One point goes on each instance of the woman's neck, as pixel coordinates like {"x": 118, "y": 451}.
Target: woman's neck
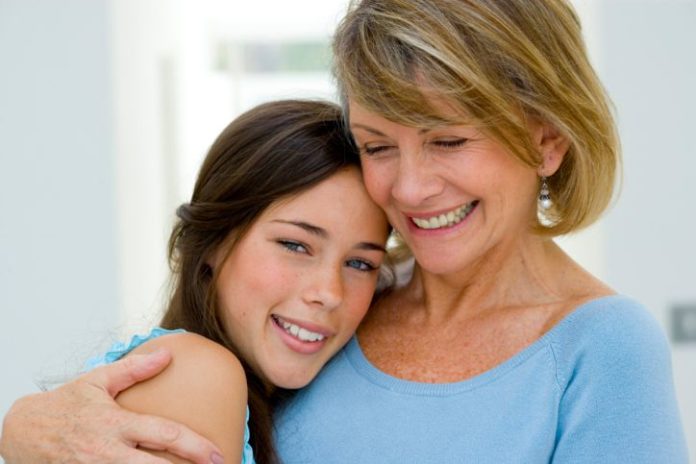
{"x": 519, "y": 274}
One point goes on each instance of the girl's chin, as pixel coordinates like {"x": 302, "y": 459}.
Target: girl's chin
{"x": 292, "y": 380}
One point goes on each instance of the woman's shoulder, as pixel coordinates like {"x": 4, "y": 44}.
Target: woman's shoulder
{"x": 614, "y": 373}
{"x": 613, "y": 332}
{"x": 203, "y": 387}
{"x": 613, "y": 317}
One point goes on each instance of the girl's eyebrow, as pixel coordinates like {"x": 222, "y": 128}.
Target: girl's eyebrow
{"x": 311, "y": 228}
{"x": 324, "y": 234}
{"x": 371, "y": 246}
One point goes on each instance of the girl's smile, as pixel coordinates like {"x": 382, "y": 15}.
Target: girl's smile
{"x": 295, "y": 286}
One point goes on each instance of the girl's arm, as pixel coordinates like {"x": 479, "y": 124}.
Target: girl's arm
{"x": 204, "y": 388}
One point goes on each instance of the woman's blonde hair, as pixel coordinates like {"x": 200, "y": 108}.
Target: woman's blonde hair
{"x": 500, "y": 64}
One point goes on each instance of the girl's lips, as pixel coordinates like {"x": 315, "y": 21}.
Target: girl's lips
{"x": 294, "y": 343}
{"x": 307, "y": 325}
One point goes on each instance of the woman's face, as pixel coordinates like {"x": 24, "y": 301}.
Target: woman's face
{"x": 453, "y": 193}
{"x": 294, "y": 288}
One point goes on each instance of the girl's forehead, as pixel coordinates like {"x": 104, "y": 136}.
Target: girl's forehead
{"x": 337, "y": 191}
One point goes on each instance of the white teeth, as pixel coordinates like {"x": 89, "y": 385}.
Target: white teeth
{"x": 446, "y": 219}
{"x": 300, "y": 332}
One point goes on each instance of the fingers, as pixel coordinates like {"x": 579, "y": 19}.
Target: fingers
{"x": 116, "y": 377}
{"x": 80, "y": 423}
{"x": 160, "y": 434}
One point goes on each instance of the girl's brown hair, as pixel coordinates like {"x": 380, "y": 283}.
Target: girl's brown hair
{"x": 272, "y": 151}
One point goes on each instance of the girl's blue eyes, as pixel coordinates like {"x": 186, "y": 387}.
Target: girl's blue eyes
{"x": 361, "y": 265}
{"x": 295, "y": 247}
{"x": 358, "y": 264}
{"x": 446, "y": 144}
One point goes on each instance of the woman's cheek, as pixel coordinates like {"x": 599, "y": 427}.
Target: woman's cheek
{"x": 377, "y": 182}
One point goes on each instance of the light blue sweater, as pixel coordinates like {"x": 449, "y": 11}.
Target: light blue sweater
{"x": 597, "y": 388}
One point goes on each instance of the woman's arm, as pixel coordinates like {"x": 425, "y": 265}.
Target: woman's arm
{"x": 81, "y": 423}
{"x": 204, "y": 388}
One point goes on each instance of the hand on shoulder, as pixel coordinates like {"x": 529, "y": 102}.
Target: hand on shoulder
{"x": 204, "y": 388}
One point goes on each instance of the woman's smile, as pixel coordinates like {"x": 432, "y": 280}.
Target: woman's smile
{"x": 445, "y": 220}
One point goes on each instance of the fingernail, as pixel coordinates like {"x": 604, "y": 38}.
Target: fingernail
{"x": 216, "y": 458}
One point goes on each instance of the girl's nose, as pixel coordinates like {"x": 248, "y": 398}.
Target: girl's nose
{"x": 324, "y": 288}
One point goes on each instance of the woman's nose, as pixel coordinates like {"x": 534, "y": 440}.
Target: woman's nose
{"x": 415, "y": 179}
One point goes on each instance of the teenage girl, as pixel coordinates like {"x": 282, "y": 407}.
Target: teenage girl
{"x": 275, "y": 262}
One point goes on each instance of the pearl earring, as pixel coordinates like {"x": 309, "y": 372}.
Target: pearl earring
{"x": 544, "y": 195}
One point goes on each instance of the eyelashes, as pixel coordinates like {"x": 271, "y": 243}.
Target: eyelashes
{"x": 293, "y": 247}
{"x": 453, "y": 143}
{"x": 373, "y": 149}
{"x": 359, "y": 264}
{"x": 443, "y": 144}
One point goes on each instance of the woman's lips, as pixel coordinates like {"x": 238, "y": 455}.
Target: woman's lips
{"x": 441, "y": 222}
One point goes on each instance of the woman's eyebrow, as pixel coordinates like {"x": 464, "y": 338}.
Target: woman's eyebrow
{"x": 322, "y": 233}
{"x": 366, "y": 128}
{"x": 357, "y": 125}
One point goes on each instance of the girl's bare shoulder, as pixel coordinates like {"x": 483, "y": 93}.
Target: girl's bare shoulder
{"x": 204, "y": 387}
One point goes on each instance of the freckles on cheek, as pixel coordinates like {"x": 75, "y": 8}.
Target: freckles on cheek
{"x": 359, "y": 308}
{"x": 271, "y": 280}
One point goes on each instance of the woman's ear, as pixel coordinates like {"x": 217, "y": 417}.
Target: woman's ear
{"x": 552, "y": 145}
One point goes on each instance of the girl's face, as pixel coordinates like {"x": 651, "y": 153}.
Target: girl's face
{"x": 453, "y": 193}
{"x": 294, "y": 288}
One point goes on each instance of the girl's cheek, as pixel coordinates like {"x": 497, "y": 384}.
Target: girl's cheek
{"x": 360, "y": 302}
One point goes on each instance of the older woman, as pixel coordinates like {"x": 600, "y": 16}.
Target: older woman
{"x": 483, "y": 133}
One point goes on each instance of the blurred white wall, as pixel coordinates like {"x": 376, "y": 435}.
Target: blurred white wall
{"x": 58, "y": 229}
{"x": 648, "y": 64}
{"x": 107, "y": 108}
